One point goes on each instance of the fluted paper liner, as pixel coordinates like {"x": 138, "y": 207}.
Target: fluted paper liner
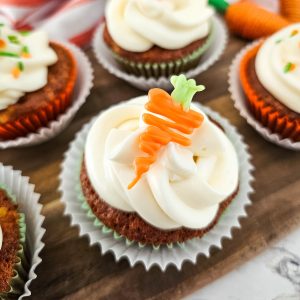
{"x": 211, "y": 55}
{"x": 18, "y": 279}
{"x": 148, "y": 256}
{"x": 240, "y": 103}
{"x": 28, "y": 205}
{"x": 81, "y": 91}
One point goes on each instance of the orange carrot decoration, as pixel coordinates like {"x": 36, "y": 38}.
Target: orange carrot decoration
{"x": 161, "y": 131}
{"x": 250, "y": 21}
{"x": 290, "y": 9}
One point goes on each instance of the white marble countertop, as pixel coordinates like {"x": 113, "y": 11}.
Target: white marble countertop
{"x": 273, "y": 275}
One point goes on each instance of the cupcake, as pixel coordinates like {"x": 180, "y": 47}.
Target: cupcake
{"x": 13, "y": 262}
{"x": 157, "y": 170}
{"x": 37, "y": 78}
{"x": 20, "y": 234}
{"x": 152, "y": 38}
{"x": 270, "y": 76}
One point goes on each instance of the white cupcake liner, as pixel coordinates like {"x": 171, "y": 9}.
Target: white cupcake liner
{"x": 240, "y": 102}
{"x": 83, "y": 85}
{"x": 211, "y": 55}
{"x": 148, "y": 256}
{"x": 28, "y": 204}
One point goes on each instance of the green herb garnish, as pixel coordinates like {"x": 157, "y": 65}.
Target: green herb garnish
{"x": 9, "y": 54}
{"x": 25, "y": 49}
{"x": 289, "y": 67}
{"x": 21, "y": 66}
{"x": 24, "y": 32}
{"x": 13, "y": 39}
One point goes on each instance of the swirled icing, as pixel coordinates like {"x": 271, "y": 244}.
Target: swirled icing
{"x": 138, "y": 25}
{"x": 184, "y": 186}
{"x": 24, "y": 61}
{"x": 278, "y": 66}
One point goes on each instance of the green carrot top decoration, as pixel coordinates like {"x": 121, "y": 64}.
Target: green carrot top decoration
{"x": 184, "y": 90}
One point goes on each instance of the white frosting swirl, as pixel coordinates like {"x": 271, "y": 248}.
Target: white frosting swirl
{"x": 32, "y": 56}
{"x": 278, "y": 66}
{"x": 138, "y": 25}
{"x": 177, "y": 190}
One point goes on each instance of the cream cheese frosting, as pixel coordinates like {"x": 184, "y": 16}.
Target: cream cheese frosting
{"x": 24, "y": 61}
{"x": 278, "y": 66}
{"x": 184, "y": 186}
{"x": 138, "y": 25}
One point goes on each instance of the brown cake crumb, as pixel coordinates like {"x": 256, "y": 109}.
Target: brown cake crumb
{"x": 9, "y": 219}
{"x": 132, "y": 226}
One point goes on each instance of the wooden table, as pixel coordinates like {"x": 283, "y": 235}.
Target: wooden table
{"x": 73, "y": 270}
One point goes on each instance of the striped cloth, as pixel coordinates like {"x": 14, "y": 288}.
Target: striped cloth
{"x": 72, "y": 20}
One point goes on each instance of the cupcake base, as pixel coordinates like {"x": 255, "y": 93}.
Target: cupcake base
{"x": 158, "y": 62}
{"x": 19, "y": 189}
{"x": 269, "y": 111}
{"x": 105, "y": 57}
{"x": 13, "y": 263}
{"x": 133, "y": 227}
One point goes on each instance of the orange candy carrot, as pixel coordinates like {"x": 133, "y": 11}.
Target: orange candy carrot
{"x": 161, "y": 131}
{"x": 251, "y": 22}
{"x": 290, "y": 9}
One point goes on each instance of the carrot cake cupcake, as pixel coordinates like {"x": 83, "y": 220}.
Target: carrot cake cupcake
{"x": 157, "y": 170}
{"x": 37, "y": 78}
{"x": 13, "y": 264}
{"x": 270, "y": 76}
{"x": 154, "y": 38}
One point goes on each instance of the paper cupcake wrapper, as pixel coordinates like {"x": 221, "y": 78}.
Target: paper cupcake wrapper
{"x": 81, "y": 91}
{"x": 21, "y": 266}
{"x": 28, "y": 205}
{"x": 241, "y": 104}
{"x": 157, "y": 70}
{"x": 211, "y": 55}
{"x": 101, "y": 226}
{"x": 148, "y": 256}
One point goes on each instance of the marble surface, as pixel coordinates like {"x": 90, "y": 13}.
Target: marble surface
{"x": 273, "y": 275}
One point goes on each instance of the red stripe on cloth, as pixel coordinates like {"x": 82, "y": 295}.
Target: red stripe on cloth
{"x": 23, "y": 2}
{"x": 83, "y": 38}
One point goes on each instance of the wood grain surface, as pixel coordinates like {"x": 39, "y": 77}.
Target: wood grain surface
{"x": 73, "y": 270}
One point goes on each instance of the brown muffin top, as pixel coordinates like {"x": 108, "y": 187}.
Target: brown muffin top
{"x": 9, "y": 220}
{"x": 155, "y": 54}
{"x": 264, "y": 94}
{"x": 132, "y": 226}
{"x": 59, "y": 76}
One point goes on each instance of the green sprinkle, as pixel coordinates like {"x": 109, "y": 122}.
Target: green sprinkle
{"x": 8, "y": 54}
{"x": 278, "y": 41}
{"x": 24, "y": 32}
{"x": 25, "y": 49}
{"x": 21, "y": 66}
{"x": 288, "y": 67}
{"x": 1, "y": 24}
{"x": 13, "y": 39}
{"x": 184, "y": 90}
